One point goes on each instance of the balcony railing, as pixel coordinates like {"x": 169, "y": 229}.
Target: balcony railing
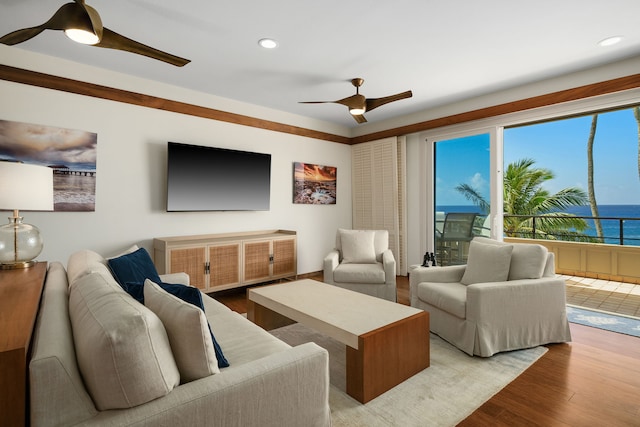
{"x": 613, "y": 230}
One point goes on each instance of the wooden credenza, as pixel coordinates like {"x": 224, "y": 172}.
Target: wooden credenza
{"x": 216, "y": 262}
{"x": 20, "y": 292}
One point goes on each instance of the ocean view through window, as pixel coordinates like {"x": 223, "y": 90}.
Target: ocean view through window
{"x": 612, "y": 183}
{"x": 587, "y": 166}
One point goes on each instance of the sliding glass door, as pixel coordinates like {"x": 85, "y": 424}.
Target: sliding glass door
{"x": 461, "y": 195}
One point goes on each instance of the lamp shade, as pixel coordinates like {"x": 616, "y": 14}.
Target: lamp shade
{"x": 25, "y": 187}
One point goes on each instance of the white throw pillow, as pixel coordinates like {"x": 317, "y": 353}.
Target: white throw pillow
{"x": 487, "y": 263}
{"x": 188, "y": 331}
{"x": 122, "y": 348}
{"x": 528, "y": 260}
{"x": 358, "y": 246}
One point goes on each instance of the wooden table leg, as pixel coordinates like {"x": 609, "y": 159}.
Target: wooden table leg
{"x": 265, "y": 318}
{"x": 388, "y": 356}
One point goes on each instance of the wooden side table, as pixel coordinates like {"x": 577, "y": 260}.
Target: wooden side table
{"x": 20, "y": 292}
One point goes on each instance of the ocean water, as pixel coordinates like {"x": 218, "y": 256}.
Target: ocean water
{"x": 610, "y": 227}
{"x": 74, "y": 192}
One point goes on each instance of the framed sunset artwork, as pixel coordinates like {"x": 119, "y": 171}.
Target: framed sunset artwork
{"x": 314, "y": 184}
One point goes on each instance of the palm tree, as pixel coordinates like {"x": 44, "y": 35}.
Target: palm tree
{"x": 636, "y": 114}
{"x": 525, "y": 197}
{"x": 592, "y": 192}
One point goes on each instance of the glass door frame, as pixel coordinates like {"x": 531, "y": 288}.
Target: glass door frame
{"x": 427, "y": 178}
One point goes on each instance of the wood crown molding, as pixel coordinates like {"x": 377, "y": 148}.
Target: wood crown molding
{"x": 48, "y": 81}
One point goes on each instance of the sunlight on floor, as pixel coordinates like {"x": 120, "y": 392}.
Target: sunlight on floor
{"x": 605, "y": 295}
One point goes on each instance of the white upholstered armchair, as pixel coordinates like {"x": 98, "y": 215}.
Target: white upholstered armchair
{"x": 362, "y": 262}
{"x": 506, "y": 297}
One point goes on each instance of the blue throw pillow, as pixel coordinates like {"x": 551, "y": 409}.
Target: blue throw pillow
{"x": 135, "y": 267}
{"x": 185, "y": 293}
{"x": 136, "y": 290}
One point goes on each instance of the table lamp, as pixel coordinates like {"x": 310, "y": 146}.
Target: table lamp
{"x": 22, "y": 187}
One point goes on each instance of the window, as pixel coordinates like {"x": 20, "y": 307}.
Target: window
{"x": 561, "y": 149}
{"x": 462, "y": 195}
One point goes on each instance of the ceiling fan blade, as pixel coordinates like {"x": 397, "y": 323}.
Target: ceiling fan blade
{"x": 353, "y": 101}
{"x": 317, "y": 102}
{"x": 22, "y": 35}
{"x": 359, "y": 118}
{"x": 57, "y": 22}
{"x": 376, "y": 102}
{"x": 112, "y": 40}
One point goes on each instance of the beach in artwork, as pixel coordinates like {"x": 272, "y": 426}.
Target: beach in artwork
{"x": 70, "y": 153}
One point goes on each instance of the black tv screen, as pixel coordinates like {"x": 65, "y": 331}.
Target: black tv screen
{"x": 203, "y": 178}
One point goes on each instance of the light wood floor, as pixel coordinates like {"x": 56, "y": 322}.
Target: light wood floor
{"x": 592, "y": 381}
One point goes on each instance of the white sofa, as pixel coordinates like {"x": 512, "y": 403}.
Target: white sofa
{"x": 362, "y": 262}
{"x": 507, "y": 297}
{"x": 268, "y": 383}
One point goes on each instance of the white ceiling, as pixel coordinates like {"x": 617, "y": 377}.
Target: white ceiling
{"x": 444, "y": 50}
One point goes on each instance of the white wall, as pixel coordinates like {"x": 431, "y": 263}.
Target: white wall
{"x": 131, "y": 174}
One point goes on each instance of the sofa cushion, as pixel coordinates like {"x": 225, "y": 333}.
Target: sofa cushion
{"x": 450, "y": 297}
{"x": 187, "y": 294}
{"x": 134, "y": 267}
{"x": 188, "y": 331}
{"x": 487, "y": 263}
{"x": 243, "y": 341}
{"x": 358, "y": 246}
{"x": 359, "y": 273}
{"x": 528, "y": 260}
{"x": 84, "y": 262}
{"x": 122, "y": 347}
{"x": 53, "y": 365}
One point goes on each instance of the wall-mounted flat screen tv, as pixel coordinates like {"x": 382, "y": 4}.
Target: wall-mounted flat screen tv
{"x": 203, "y": 178}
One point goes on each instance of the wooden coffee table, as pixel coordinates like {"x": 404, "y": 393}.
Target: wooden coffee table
{"x": 387, "y": 343}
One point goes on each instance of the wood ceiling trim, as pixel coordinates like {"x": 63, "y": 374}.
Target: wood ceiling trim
{"x": 34, "y": 78}
{"x": 587, "y": 91}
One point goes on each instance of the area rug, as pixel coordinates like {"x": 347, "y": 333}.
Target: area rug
{"x": 603, "y": 320}
{"x": 444, "y": 394}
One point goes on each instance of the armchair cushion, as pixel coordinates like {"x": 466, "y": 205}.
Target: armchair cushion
{"x": 487, "y": 263}
{"x": 359, "y": 273}
{"x": 358, "y": 246}
{"x": 528, "y": 260}
{"x": 450, "y": 297}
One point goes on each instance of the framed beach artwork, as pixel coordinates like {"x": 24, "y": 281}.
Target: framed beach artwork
{"x": 70, "y": 153}
{"x": 314, "y": 184}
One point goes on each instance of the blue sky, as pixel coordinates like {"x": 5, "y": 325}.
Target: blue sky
{"x": 560, "y": 146}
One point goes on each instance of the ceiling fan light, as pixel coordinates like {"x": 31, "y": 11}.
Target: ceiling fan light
{"x": 82, "y": 36}
{"x": 610, "y": 41}
{"x": 356, "y": 111}
{"x": 268, "y": 43}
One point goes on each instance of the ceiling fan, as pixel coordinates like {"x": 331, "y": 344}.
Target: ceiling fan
{"x": 81, "y": 23}
{"x": 358, "y": 104}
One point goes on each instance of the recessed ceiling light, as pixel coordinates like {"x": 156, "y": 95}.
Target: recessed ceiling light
{"x": 610, "y": 41}
{"x": 268, "y": 43}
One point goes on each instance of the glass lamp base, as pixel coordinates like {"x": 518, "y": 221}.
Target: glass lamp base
{"x": 17, "y": 265}
{"x": 19, "y": 244}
